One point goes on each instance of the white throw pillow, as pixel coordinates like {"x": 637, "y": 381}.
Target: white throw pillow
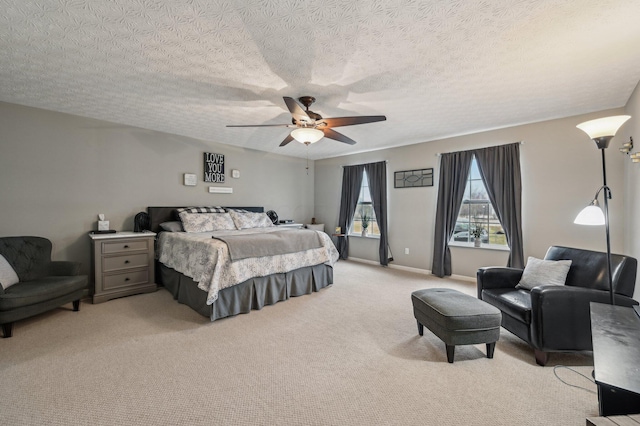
{"x": 8, "y": 276}
{"x": 206, "y": 222}
{"x": 544, "y": 272}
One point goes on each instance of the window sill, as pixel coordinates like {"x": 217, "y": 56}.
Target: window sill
{"x": 375, "y": 237}
{"x": 483, "y": 246}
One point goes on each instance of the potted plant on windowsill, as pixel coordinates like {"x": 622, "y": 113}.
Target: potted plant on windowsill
{"x": 476, "y": 232}
{"x": 365, "y": 224}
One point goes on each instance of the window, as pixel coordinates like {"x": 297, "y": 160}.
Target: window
{"x": 476, "y": 212}
{"x": 364, "y": 209}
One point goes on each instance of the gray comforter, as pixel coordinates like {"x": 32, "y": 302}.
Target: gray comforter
{"x": 270, "y": 244}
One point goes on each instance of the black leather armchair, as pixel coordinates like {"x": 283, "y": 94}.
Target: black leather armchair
{"x": 557, "y": 318}
{"x": 44, "y": 284}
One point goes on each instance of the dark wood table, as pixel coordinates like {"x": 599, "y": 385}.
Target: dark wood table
{"x": 615, "y": 332}
{"x": 630, "y": 420}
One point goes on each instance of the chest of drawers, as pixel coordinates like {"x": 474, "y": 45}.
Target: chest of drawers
{"x": 122, "y": 264}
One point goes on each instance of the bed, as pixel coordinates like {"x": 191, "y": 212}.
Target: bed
{"x": 199, "y": 268}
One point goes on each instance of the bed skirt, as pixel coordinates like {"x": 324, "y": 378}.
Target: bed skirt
{"x": 254, "y": 293}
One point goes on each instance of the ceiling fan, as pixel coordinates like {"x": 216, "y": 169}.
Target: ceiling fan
{"x": 310, "y": 127}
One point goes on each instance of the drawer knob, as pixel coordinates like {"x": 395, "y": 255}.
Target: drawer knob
{"x": 126, "y": 246}
{"x": 126, "y": 261}
{"x": 126, "y": 279}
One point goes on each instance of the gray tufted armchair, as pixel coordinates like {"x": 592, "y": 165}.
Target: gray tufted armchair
{"x": 43, "y": 284}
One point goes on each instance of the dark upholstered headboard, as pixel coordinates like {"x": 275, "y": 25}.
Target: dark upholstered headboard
{"x": 158, "y": 215}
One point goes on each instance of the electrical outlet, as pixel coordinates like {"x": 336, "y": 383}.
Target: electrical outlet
{"x": 406, "y": 250}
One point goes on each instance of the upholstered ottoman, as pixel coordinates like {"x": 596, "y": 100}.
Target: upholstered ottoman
{"x": 456, "y": 318}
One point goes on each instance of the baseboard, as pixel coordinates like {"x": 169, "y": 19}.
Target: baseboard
{"x": 392, "y": 266}
{"x": 463, "y": 278}
{"x": 411, "y": 269}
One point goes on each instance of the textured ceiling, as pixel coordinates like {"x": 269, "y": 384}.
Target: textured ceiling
{"x": 435, "y": 68}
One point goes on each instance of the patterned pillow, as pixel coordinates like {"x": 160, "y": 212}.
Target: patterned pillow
{"x": 544, "y": 272}
{"x": 206, "y": 222}
{"x": 215, "y": 209}
{"x": 8, "y": 276}
{"x": 244, "y": 219}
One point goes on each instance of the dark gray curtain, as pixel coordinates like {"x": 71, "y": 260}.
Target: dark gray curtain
{"x": 454, "y": 173}
{"x": 500, "y": 171}
{"x": 351, "y": 183}
{"x": 377, "y": 175}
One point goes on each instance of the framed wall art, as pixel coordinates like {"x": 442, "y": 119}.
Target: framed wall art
{"x": 190, "y": 179}
{"x": 413, "y": 178}
{"x": 213, "y": 167}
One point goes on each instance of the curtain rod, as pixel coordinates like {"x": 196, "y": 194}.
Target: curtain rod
{"x": 347, "y": 165}
{"x": 438, "y": 154}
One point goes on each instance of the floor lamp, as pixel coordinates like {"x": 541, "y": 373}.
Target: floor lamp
{"x": 601, "y": 131}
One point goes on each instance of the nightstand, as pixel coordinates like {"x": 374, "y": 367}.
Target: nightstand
{"x": 290, "y": 225}
{"x": 122, "y": 264}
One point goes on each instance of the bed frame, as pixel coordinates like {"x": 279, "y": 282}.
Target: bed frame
{"x": 255, "y": 293}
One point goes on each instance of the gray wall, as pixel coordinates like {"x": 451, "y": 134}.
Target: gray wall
{"x": 561, "y": 171}
{"x": 631, "y": 194}
{"x": 59, "y": 171}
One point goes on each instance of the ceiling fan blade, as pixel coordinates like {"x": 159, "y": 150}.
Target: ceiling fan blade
{"x": 350, "y": 121}
{"x": 296, "y": 110}
{"x": 286, "y": 140}
{"x": 260, "y": 125}
{"x": 332, "y": 134}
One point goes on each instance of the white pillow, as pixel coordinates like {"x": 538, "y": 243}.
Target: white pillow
{"x": 245, "y": 219}
{"x": 544, "y": 272}
{"x": 8, "y": 276}
{"x": 206, "y": 222}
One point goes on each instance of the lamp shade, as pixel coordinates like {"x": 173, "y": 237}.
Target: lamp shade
{"x": 307, "y": 135}
{"x": 590, "y": 215}
{"x": 603, "y": 127}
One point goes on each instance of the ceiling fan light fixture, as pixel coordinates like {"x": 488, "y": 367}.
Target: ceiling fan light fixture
{"x": 307, "y": 135}
{"x": 307, "y": 123}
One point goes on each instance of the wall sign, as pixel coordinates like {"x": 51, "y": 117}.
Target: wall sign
{"x": 190, "y": 179}
{"x": 413, "y": 178}
{"x": 213, "y": 167}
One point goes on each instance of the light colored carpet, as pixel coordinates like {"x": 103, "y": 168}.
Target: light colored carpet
{"x": 348, "y": 355}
